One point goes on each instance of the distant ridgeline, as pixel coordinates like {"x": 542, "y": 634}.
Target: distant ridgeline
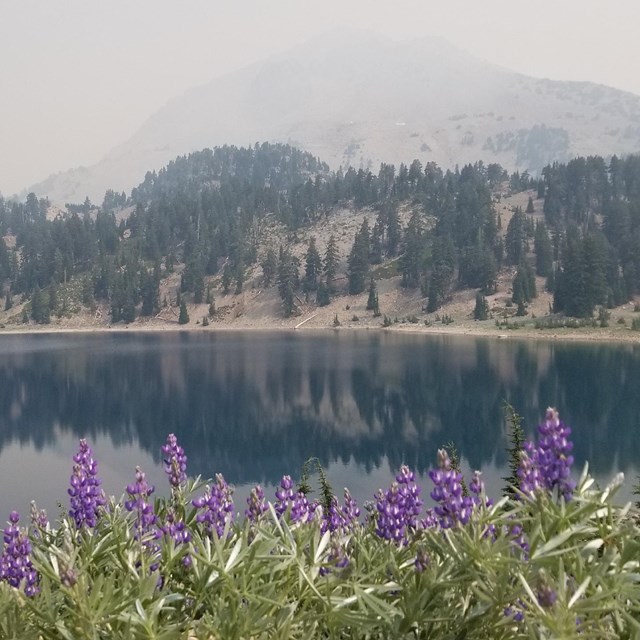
{"x": 209, "y": 210}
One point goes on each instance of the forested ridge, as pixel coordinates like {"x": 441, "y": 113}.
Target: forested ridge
{"x": 204, "y": 216}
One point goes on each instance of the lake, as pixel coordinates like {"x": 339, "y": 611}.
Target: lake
{"x": 255, "y": 406}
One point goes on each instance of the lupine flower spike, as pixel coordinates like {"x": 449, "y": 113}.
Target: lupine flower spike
{"x": 256, "y": 504}
{"x": 452, "y": 506}
{"x": 286, "y": 498}
{"x": 548, "y": 465}
{"x": 398, "y": 508}
{"x": 139, "y": 502}
{"x": 175, "y": 462}
{"x": 87, "y": 497}
{"x": 15, "y": 562}
{"x": 215, "y": 506}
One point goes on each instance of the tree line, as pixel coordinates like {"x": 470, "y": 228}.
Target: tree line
{"x": 206, "y": 211}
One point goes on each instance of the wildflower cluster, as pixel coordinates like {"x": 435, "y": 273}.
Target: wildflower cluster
{"x": 138, "y": 502}
{"x": 294, "y": 502}
{"x": 215, "y": 506}
{"x": 15, "y": 561}
{"x": 256, "y": 504}
{"x": 175, "y": 462}
{"x": 398, "y": 508}
{"x": 547, "y": 465}
{"x": 452, "y": 507}
{"x": 87, "y": 497}
{"x": 341, "y": 518}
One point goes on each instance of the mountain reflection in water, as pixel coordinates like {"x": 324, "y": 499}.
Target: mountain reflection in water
{"x": 255, "y": 406}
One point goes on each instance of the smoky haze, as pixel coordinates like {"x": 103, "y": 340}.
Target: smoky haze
{"x": 81, "y": 77}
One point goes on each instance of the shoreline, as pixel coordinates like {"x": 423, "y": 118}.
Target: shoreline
{"x": 588, "y": 335}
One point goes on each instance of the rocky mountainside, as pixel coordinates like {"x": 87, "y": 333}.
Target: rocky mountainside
{"x": 356, "y": 98}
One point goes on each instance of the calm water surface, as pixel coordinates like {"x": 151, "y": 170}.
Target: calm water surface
{"x": 255, "y": 406}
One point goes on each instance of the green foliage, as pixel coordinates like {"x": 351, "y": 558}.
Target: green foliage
{"x": 323, "y": 297}
{"x": 516, "y": 442}
{"x": 330, "y": 262}
{"x": 184, "y": 314}
{"x": 275, "y": 579}
{"x": 358, "y": 260}
{"x": 288, "y": 281}
{"x": 372, "y": 300}
{"x": 412, "y": 259}
{"x": 481, "y": 310}
{"x": 516, "y": 238}
{"x": 210, "y": 208}
{"x": 313, "y": 267}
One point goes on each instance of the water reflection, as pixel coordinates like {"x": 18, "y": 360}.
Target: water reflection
{"x": 255, "y": 406}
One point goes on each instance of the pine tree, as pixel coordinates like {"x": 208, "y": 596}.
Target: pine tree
{"x": 524, "y": 284}
{"x": 442, "y": 272}
{"x": 331, "y": 259}
{"x": 322, "y": 295}
{"x": 227, "y": 277}
{"x": 128, "y": 307}
{"x": 269, "y": 266}
{"x": 481, "y": 310}
{"x": 313, "y": 267}
{"x": 530, "y": 208}
{"x": 544, "y": 250}
{"x": 184, "y": 314}
{"x": 394, "y": 230}
{"x": 412, "y": 258}
{"x": 516, "y": 238}
{"x": 376, "y": 244}
{"x": 40, "y": 312}
{"x": 358, "y": 260}
{"x": 288, "y": 282}
{"x": 372, "y": 300}
{"x": 8, "y": 303}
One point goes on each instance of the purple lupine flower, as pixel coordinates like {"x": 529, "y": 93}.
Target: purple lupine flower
{"x": 476, "y": 486}
{"x": 341, "y": 517}
{"x": 216, "y": 506}
{"x": 547, "y": 596}
{"x": 175, "y": 462}
{"x": 337, "y": 557}
{"x": 422, "y": 560}
{"x": 519, "y": 539}
{"x": 39, "y": 520}
{"x": 256, "y": 504}
{"x": 15, "y": 561}
{"x": 176, "y": 529}
{"x": 398, "y": 508}
{"x": 139, "y": 494}
{"x": 430, "y": 519}
{"x": 453, "y": 507}
{"x": 87, "y": 497}
{"x": 300, "y": 510}
{"x": 515, "y": 613}
{"x": 529, "y": 471}
{"x": 548, "y": 465}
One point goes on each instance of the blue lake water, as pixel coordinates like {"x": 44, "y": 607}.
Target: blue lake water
{"x": 255, "y": 406}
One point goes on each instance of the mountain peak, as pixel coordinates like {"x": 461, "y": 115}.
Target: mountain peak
{"x": 356, "y": 98}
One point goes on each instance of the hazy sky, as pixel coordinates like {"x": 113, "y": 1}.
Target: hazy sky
{"x": 80, "y": 76}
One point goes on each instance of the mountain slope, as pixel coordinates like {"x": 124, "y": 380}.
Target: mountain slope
{"x": 355, "y": 98}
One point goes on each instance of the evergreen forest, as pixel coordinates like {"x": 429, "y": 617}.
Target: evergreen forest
{"x": 203, "y": 216}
